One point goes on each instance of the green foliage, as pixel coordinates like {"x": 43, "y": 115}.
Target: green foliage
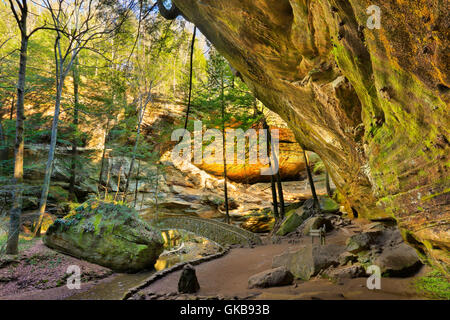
{"x": 434, "y": 284}
{"x": 319, "y": 167}
{"x": 238, "y": 100}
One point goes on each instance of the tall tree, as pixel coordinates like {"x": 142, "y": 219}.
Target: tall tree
{"x": 225, "y": 182}
{"x": 74, "y": 142}
{"x": 20, "y": 10}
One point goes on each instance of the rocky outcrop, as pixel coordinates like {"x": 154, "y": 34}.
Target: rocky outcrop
{"x": 354, "y": 271}
{"x": 373, "y": 103}
{"x": 106, "y": 234}
{"x": 384, "y": 248}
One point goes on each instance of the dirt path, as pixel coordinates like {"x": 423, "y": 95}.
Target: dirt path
{"x": 228, "y": 277}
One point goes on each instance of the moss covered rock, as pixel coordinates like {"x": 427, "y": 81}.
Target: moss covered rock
{"x": 107, "y": 234}
{"x": 292, "y": 221}
{"x": 328, "y": 205}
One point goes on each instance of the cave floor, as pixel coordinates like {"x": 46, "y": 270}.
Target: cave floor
{"x": 227, "y": 277}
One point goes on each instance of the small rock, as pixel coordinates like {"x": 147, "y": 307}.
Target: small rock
{"x": 350, "y": 272}
{"x": 188, "y": 282}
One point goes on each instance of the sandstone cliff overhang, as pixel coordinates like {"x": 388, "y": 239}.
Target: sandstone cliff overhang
{"x": 372, "y": 103}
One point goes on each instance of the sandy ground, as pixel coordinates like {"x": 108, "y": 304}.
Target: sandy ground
{"x": 228, "y": 277}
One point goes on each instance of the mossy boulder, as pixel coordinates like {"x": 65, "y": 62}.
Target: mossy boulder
{"x": 328, "y": 205}
{"x": 292, "y": 221}
{"x": 108, "y": 234}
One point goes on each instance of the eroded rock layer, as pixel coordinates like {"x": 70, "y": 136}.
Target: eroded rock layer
{"x": 373, "y": 103}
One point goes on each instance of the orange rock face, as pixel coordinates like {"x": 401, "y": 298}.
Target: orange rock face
{"x": 291, "y": 163}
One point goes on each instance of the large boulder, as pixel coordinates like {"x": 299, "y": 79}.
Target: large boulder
{"x": 271, "y": 278}
{"x": 107, "y": 234}
{"x": 401, "y": 260}
{"x": 309, "y": 260}
{"x": 348, "y": 272}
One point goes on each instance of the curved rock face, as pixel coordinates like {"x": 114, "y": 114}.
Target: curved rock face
{"x": 372, "y": 103}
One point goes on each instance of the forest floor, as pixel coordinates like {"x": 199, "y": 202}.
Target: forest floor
{"x": 40, "y": 273}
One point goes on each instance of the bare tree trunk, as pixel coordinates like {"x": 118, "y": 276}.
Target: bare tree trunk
{"x": 51, "y": 157}
{"x": 11, "y": 113}
{"x": 137, "y": 183}
{"x": 156, "y": 193}
{"x": 327, "y": 183}
{"x": 225, "y": 184}
{"x": 74, "y": 152}
{"x": 190, "y": 78}
{"x": 280, "y": 194}
{"x": 272, "y": 178}
{"x": 118, "y": 183}
{"x": 136, "y": 143}
{"x": 16, "y": 209}
{"x": 311, "y": 182}
{"x": 103, "y": 153}
{"x": 107, "y": 179}
{"x": 3, "y": 144}
{"x": 277, "y": 175}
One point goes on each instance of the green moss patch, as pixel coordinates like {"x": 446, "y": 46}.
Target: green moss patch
{"x": 434, "y": 285}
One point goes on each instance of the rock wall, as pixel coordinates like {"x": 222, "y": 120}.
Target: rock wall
{"x": 373, "y": 104}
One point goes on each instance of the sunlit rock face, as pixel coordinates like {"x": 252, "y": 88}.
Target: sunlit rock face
{"x": 372, "y": 103}
{"x": 291, "y": 163}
